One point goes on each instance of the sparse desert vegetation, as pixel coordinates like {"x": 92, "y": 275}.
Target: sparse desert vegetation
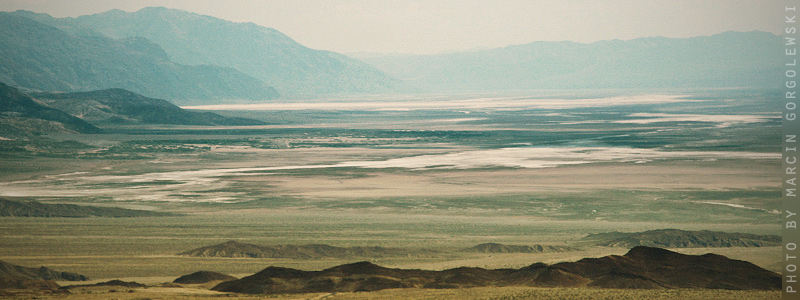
{"x": 365, "y": 180}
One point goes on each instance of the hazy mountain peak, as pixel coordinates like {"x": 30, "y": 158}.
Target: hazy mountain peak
{"x": 255, "y": 50}
{"x": 160, "y": 9}
{"x": 31, "y": 14}
{"x": 114, "y": 11}
{"x": 66, "y": 25}
{"x": 150, "y": 21}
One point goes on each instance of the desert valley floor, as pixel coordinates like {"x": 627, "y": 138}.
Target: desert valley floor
{"x": 433, "y": 177}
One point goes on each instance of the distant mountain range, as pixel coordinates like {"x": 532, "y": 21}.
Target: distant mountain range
{"x": 318, "y": 251}
{"x": 39, "y": 57}
{"x": 641, "y": 267}
{"x": 189, "y": 58}
{"x": 260, "y": 52}
{"x": 730, "y": 59}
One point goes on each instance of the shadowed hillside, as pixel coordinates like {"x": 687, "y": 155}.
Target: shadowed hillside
{"x": 675, "y": 238}
{"x": 640, "y": 268}
{"x": 21, "y": 115}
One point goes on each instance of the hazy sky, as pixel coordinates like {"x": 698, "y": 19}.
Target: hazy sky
{"x": 430, "y": 26}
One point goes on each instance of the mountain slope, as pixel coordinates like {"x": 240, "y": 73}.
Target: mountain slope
{"x": 260, "y": 52}
{"x": 731, "y": 59}
{"x": 21, "y": 115}
{"x": 122, "y": 106}
{"x": 41, "y": 57}
{"x": 641, "y": 267}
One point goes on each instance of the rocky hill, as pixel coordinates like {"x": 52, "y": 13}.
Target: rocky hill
{"x": 501, "y": 248}
{"x": 19, "y": 277}
{"x": 121, "y": 106}
{"x": 10, "y": 208}
{"x": 641, "y": 267}
{"x": 312, "y": 251}
{"x": 675, "y": 238}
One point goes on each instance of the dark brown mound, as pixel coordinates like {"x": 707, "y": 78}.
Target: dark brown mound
{"x": 640, "y": 268}
{"x": 501, "y": 248}
{"x": 671, "y": 269}
{"x": 115, "y": 282}
{"x": 203, "y": 277}
{"x": 675, "y": 238}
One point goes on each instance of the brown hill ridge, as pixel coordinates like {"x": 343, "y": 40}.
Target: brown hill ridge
{"x": 675, "y": 238}
{"x": 312, "y": 251}
{"x": 501, "y": 248}
{"x": 641, "y": 268}
{"x": 18, "y": 277}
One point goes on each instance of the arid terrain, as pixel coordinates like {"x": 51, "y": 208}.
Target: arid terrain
{"x": 347, "y": 149}
{"x": 406, "y": 187}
